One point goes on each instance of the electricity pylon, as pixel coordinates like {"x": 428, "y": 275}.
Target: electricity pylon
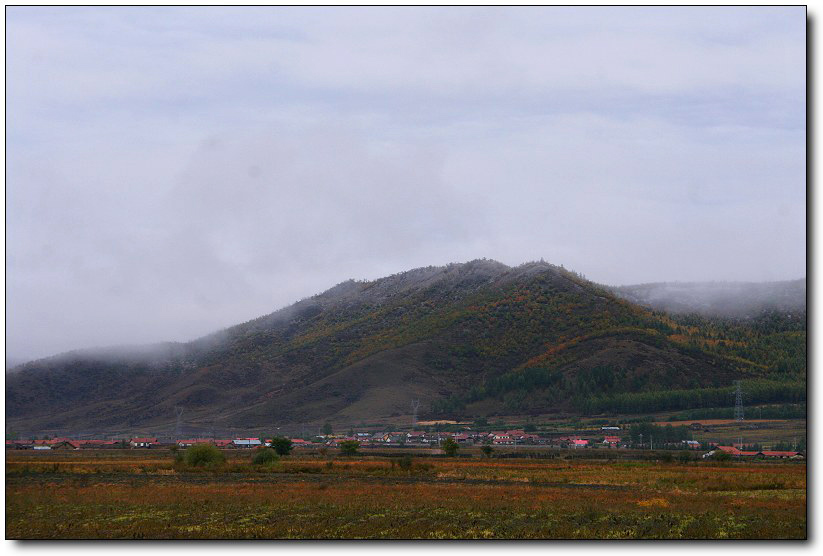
{"x": 738, "y": 402}
{"x": 415, "y": 405}
{"x": 178, "y": 410}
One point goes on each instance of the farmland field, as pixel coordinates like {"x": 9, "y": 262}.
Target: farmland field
{"x": 91, "y": 494}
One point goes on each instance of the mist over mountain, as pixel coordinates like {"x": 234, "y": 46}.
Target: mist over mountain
{"x": 478, "y": 338}
{"x": 720, "y": 299}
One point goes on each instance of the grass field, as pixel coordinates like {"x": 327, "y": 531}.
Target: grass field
{"x": 139, "y": 494}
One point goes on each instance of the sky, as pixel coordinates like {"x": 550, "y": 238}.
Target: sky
{"x": 173, "y": 171}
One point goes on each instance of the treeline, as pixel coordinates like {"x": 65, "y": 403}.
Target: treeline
{"x": 647, "y": 432}
{"x": 755, "y": 391}
{"x": 782, "y": 411}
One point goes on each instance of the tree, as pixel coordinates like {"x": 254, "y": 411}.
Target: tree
{"x": 203, "y": 455}
{"x": 327, "y": 429}
{"x": 281, "y": 445}
{"x": 349, "y": 447}
{"x": 450, "y": 447}
{"x": 531, "y": 427}
{"x": 487, "y": 450}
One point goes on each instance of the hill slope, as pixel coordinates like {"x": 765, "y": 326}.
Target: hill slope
{"x": 473, "y": 338}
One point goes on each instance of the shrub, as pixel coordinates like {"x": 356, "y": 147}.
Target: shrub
{"x": 265, "y": 456}
{"x": 487, "y": 450}
{"x": 405, "y": 462}
{"x": 203, "y": 455}
{"x": 281, "y": 445}
{"x": 349, "y": 447}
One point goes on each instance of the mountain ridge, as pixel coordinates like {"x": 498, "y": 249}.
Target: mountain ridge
{"x": 366, "y": 348}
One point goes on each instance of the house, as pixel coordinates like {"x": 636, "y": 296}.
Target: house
{"x": 778, "y": 454}
{"x": 609, "y": 428}
{"x": 611, "y": 441}
{"x": 300, "y": 443}
{"x": 579, "y": 443}
{"x": 223, "y": 443}
{"x": 431, "y": 438}
{"x": 19, "y": 444}
{"x": 502, "y": 439}
{"x": 691, "y": 444}
{"x": 415, "y": 437}
{"x": 394, "y": 437}
{"x": 462, "y": 438}
{"x": 66, "y": 445}
{"x": 732, "y": 451}
{"x": 142, "y": 442}
{"x": 529, "y": 438}
{"x": 192, "y": 441}
{"x": 246, "y": 442}
{"x": 96, "y": 444}
{"x": 335, "y": 442}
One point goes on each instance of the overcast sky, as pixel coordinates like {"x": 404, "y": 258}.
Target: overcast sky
{"x": 172, "y": 171}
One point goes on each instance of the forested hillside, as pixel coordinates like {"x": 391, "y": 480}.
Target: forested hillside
{"x": 470, "y": 339}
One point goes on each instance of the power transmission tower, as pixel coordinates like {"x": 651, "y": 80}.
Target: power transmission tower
{"x": 738, "y": 402}
{"x": 178, "y": 410}
{"x": 415, "y": 405}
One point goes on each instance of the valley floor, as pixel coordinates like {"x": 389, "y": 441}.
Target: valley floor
{"x": 137, "y": 494}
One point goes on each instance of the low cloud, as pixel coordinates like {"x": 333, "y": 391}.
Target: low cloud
{"x": 175, "y": 171}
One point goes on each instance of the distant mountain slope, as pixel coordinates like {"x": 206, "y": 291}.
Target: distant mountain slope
{"x": 478, "y": 337}
{"x": 720, "y": 299}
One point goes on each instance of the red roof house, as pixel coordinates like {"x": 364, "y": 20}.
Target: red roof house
{"x": 142, "y": 442}
{"x": 778, "y": 454}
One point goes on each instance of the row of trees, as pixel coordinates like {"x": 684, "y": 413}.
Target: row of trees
{"x": 755, "y": 391}
{"x": 781, "y": 411}
{"x": 645, "y": 432}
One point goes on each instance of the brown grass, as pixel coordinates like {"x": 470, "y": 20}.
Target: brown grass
{"x": 140, "y": 496}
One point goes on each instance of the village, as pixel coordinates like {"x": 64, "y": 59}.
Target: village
{"x": 610, "y": 439}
